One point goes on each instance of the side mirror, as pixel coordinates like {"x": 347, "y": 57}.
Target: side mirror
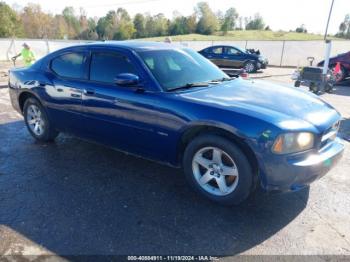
{"x": 127, "y": 79}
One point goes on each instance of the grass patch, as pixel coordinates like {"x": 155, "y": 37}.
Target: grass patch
{"x": 246, "y": 35}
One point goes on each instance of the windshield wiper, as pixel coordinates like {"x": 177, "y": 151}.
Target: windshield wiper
{"x": 222, "y": 79}
{"x": 190, "y": 85}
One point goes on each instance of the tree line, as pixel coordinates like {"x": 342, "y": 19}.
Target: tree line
{"x": 32, "y": 22}
{"x": 344, "y": 28}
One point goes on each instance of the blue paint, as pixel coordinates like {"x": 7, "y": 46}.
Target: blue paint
{"x": 149, "y": 121}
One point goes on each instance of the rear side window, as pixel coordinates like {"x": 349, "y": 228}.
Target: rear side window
{"x": 217, "y": 50}
{"x": 70, "y": 65}
{"x": 207, "y": 50}
{"x": 106, "y": 66}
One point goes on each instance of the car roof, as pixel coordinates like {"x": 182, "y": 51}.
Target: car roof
{"x": 223, "y": 46}
{"x": 131, "y": 45}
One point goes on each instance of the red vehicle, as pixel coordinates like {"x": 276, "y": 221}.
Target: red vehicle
{"x": 344, "y": 60}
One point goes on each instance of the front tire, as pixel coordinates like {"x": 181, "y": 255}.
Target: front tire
{"x": 37, "y": 121}
{"x": 217, "y": 169}
{"x": 250, "y": 67}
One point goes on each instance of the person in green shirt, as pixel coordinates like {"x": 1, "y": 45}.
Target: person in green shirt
{"x": 27, "y": 55}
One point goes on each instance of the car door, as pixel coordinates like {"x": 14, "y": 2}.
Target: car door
{"x": 67, "y": 72}
{"x": 233, "y": 57}
{"x": 120, "y": 116}
{"x": 215, "y": 55}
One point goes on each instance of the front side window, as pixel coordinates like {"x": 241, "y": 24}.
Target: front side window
{"x": 70, "y": 65}
{"x": 177, "y": 67}
{"x": 232, "y": 51}
{"x": 105, "y": 67}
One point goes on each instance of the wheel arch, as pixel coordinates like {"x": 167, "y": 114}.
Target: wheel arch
{"x": 23, "y": 96}
{"x": 216, "y": 129}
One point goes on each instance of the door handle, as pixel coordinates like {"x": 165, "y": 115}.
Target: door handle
{"x": 89, "y": 92}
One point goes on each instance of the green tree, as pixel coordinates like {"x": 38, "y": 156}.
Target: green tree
{"x": 156, "y": 25}
{"x": 89, "y": 33}
{"x": 230, "y": 19}
{"x": 161, "y": 25}
{"x": 344, "y": 28}
{"x": 150, "y": 26}
{"x": 101, "y": 27}
{"x": 208, "y": 22}
{"x": 191, "y": 23}
{"x": 301, "y": 29}
{"x": 178, "y": 26}
{"x": 257, "y": 23}
{"x": 10, "y": 24}
{"x": 116, "y": 25}
{"x": 140, "y": 26}
{"x": 72, "y": 22}
{"x": 125, "y": 27}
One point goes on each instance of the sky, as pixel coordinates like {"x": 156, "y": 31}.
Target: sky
{"x": 278, "y": 14}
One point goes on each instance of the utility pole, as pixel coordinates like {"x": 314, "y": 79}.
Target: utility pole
{"x": 328, "y": 48}
{"x": 328, "y": 44}
{"x": 329, "y": 18}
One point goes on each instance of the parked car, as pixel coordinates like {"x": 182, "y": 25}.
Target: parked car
{"x": 171, "y": 105}
{"x": 344, "y": 60}
{"x": 234, "y": 57}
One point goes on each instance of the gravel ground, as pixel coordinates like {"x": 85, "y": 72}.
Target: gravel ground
{"x": 72, "y": 197}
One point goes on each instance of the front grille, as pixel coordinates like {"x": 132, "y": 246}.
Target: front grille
{"x": 330, "y": 134}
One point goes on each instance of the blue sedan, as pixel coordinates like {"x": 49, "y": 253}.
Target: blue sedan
{"x": 171, "y": 105}
{"x": 234, "y": 57}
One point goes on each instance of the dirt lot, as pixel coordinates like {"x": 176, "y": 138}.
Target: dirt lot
{"x": 73, "y": 197}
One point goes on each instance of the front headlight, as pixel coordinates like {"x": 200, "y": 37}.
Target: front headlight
{"x": 293, "y": 142}
{"x": 261, "y": 59}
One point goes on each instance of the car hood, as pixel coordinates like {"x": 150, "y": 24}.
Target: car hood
{"x": 287, "y": 107}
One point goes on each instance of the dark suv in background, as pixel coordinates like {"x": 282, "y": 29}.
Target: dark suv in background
{"x": 234, "y": 57}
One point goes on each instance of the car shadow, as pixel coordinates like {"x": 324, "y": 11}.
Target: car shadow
{"x": 345, "y": 82}
{"x": 75, "y": 197}
{"x": 341, "y": 90}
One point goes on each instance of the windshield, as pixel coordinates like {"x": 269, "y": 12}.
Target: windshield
{"x": 174, "y": 68}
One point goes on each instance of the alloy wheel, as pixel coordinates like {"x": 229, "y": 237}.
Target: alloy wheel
{"x": 215, "y": 171}
{"x": 35, "y": 120}
{"x": 249, "y": 67}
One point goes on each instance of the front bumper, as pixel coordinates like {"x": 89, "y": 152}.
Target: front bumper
{"x": 262, "y": 65}
{"x": 295, "y": 172}
{"x": 14, "y": 99}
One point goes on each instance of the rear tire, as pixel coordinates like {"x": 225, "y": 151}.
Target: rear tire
{"x": 37, "y": 122}
{"x": 218, "y": 170}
